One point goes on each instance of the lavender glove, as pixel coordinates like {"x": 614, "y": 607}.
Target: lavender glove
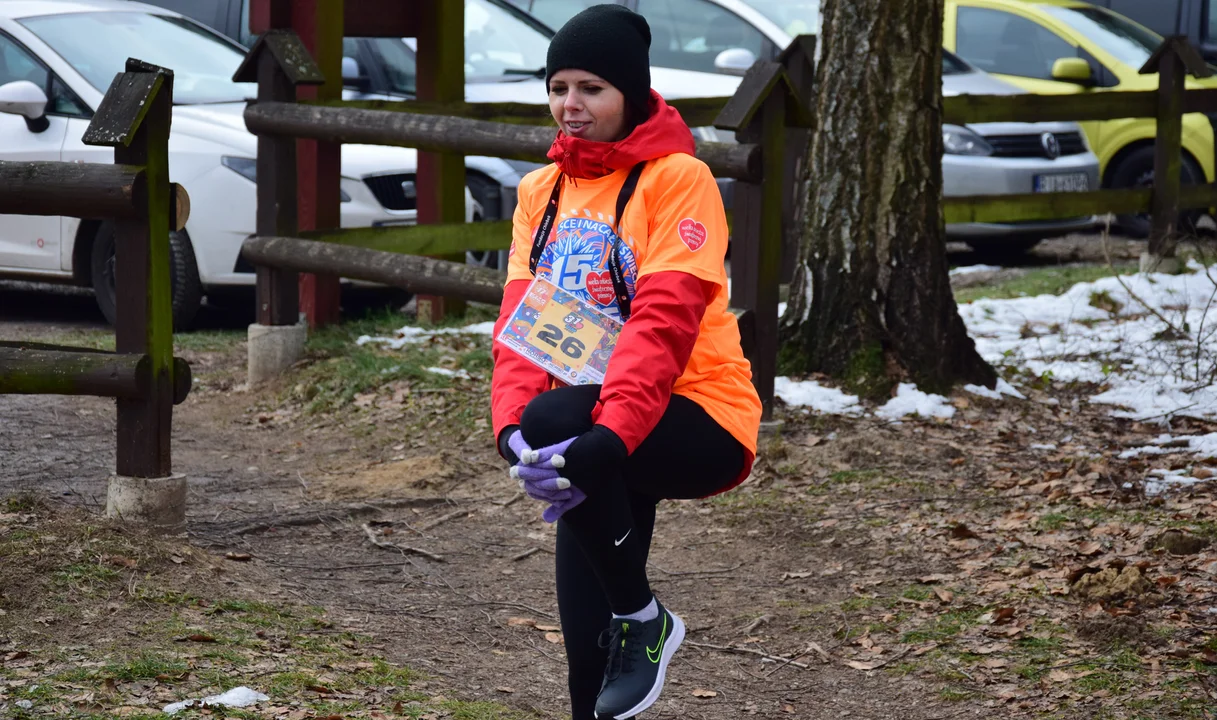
{"x": 541, "y": 484}
{"x": 549, "y": 457}
{"x": 555, "y": 510}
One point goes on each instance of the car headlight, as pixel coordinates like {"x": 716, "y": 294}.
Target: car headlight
{"x": 248, "y": 169}
{"x": 245, "y": 167}
{"x": 958, "y": 140}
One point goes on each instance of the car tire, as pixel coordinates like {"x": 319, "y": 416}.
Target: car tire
{"x": 489, "y": 197}
{"x": 185, "y": 288}
{"x": 998, "y": 249}
{"x": 1136, "y": 170}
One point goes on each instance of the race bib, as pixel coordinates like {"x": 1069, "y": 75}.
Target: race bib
{"x": 561, "y": 334}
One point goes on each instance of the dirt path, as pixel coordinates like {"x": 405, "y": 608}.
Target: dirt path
{"x": 923, "y": 570}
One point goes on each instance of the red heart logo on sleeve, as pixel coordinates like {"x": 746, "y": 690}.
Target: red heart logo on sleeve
{"x": 692, "y": 233}
{"x": 600, "y": 286}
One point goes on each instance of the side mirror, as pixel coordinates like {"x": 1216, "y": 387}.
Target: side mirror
{"x": 734, "y": 61}
{"x": 352, "y": 76}
{"x": 1074, "y": 70}
{"x": 26, "y": 99}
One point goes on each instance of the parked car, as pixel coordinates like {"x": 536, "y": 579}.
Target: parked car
{"x": 56, "y": 61}
{"x": 1197, "y": 19}
{"x": 1010, "y": 158}
{"x": 991, "y": 158}
{"x": 504, "y": 62}
{"x": 1068, "y": 46}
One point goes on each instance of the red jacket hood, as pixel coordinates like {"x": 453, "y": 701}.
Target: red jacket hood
{"x": 663, "y": 133}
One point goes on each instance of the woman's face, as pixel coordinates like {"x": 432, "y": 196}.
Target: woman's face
{"x": 587, "y": 106}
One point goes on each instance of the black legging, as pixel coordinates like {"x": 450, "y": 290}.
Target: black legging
{"x": 687, "y": 455}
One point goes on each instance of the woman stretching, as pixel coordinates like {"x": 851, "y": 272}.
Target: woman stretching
{"x": 628, "y": 221}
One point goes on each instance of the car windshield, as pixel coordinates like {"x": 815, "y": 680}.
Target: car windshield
{"x": 1127, "y": 41}
{"x": 97, "y": 45}
{"x": 498, "y": 45}
{"x": 796, "y": 17}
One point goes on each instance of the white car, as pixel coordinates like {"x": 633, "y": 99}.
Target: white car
{"x": 57, "y": 58}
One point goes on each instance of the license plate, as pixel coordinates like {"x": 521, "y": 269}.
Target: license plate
{"x": 1064, "y": 182}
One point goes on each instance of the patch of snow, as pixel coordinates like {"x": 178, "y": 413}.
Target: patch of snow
{"x": 781, "y": 309}
{"x": 1003, "y": 388}
{"x": 1144, "y": 376}
{"x": 1168, "y": 479}
{"x": 237, "y": 697}
{"x": 461, "y": 374}
{"x": 811, "y": 394}
{"x": 969, "y": 269}
{"x": 412, "y": 334}
{"x": 1043, "y": 446}
{"x": 1203, "y": 446}
{"x": 911, "y": 401}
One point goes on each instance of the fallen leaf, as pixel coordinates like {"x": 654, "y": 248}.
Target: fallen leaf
{"x": 788, "y": 709}
{"x": 944, "y": 595}
{"x": 704, "y": 693}
{"x": 931, "y": 579}
{"x": 1003, "y": 615}
{"x": 813, "y": 440}
{"x": 505, "y": 689}
{"x": 795, "y": 575}
{"x": 923, "y": 650}
{"x": 120, "y": 561}
{"x": 548, "y": 628}
{"x": 1089, "y": 548}
{"x": 1059, "y": 676}
{"x": 553, "y": 637}
{"x": 321, "y": 689}
{"x": 198, "y": 637}
{"x": 521, "y": 622}
{"x": 177, "y": 560}
{"x": 239, "y": 557}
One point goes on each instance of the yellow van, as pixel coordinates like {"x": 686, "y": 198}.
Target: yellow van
{"x": 1068, "y": 46}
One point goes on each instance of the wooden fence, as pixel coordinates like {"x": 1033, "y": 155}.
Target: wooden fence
{"x": 759, "y": 114}
{"x": 141, "y": 374}
{"x": 771, "y": 118}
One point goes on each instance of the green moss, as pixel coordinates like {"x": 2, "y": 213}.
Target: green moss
{"x": 866, "y": 373}
{"x": 1041, "y": 281}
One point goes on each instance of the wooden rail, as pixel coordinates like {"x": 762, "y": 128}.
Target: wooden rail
{"x": 441, "y": 133}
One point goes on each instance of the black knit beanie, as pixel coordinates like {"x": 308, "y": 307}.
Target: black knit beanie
{"x": 612, "y": 42}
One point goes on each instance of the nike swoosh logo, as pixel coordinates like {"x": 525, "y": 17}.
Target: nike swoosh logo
{"x": 617, "y": 543}
{"x": 654, "y": 654}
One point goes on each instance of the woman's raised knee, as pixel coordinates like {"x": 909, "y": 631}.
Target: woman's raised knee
{"x": 559, "y": 415}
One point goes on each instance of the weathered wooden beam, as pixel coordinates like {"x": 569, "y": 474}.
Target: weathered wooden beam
{"x": 1051, "y": 206}
{"x": 420, "y": 275}
{"x": 437, "y": 239}
{"x": 57, "y": 372}
{"x": 440, "y": 133}
{"x": 144, "y": 302}
{"x": 963, "y": 109}
{"x": 696, "y": 112}
{"x": 83, "y": 190}
{"x": 1168, "y": 144}
{"x": 59, "y": 361}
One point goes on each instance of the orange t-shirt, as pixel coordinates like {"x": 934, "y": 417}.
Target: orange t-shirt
{"x": 674, "y": 222}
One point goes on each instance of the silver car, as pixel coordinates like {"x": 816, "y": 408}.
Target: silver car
{"x": 1011, "y": 158}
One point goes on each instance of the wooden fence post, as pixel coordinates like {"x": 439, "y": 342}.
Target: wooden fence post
{"x": 441, "y": 176}
{"x": 1173, "y": 60}
{"x": 134, "y": 119}
{"x": 799, "y": 60}
{"x": 279, "y": 63}
{"x": 760, "y": 112}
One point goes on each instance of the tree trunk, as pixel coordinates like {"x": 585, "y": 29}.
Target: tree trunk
{"x": 871, "y": 301}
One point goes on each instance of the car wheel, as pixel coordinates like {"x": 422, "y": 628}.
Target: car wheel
{"x": 489, "y": 198}
{"x": 1137, "y": 171}
{"x": 185, "y": 288}
{"x": 998, "y": 249}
